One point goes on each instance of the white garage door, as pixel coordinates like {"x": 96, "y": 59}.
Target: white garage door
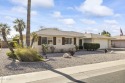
{"x": 103, "y": 43}
{"x": 118, "y": 43}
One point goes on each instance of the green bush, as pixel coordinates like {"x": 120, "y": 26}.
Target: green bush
{"x": 16, "y": 39}
{"x": 11, "y": 55}
{"x": 13, "y": 43}
{"x": 91, "y": 46}
{"x": 26, "y": 55}
{"x": 44, "y": 48}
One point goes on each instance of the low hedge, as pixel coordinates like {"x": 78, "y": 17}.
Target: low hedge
{"x": 80, "y": 47}
{"x": 91, "y": 46}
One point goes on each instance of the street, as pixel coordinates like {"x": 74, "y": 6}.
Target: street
{"x": 116, "y": 77}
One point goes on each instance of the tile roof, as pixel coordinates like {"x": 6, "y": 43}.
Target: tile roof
{"x": 57, "y": 32}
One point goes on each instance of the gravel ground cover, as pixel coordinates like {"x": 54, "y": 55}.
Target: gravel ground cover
{"x": 7, "y": 67}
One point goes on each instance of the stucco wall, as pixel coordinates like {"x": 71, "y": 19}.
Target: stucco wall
{"x": 88, "y": 40}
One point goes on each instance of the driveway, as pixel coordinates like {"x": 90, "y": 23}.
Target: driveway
{"x": 55, "y": 61}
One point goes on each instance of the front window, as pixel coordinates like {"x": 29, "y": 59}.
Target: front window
{"x": 44, "y": 40}
{"x": 50, "y": 40}
{"x": 68, "y": 40}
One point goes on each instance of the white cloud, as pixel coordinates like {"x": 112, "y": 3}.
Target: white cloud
{"x": 10, "y": 18}
{"x": 117, "y": 15}
{"x": 22, "y": 10}
{"x": 70, "y": 8}
{"x": 68, "y": 21}
{"x": 111, "y": 22}
{"x": 95, "y": 7}
{"x": 35, "y": 3}
{"x": 88, "y": 21}
{"x": 57, "y": 14}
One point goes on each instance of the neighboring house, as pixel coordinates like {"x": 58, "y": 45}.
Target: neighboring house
{"x": 68, "y": 39}
{"x": 118, "y": 42}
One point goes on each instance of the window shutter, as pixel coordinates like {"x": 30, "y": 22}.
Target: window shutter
{"x": 74, "y": 41}
{"x": 63, "y": 40}
{"x": 39, "y": 40}
{"x": 54, "y": 40}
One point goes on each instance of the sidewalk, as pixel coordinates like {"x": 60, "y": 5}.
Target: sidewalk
{"x": 66, "y": 72}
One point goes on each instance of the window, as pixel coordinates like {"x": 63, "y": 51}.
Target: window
{"x": 68, "y": 40}
{"x": 44, "y": 40}
{"x": 50, "y": 40}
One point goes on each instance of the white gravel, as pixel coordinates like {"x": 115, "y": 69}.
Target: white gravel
{"x": 56, "y": 61}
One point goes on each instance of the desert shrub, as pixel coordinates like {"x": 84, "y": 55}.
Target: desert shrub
{"x": 16, "y": 39}
{"x": 11, "y": 55}
{"x": 52, "y": 48}
{"x": 13, "y": 43}
{"x": 44, "y": 48}
{"x": 91, "y": 46}
{"x": 71, "y": 51}
{"x": 26, "y": 55}
{"x": 61, "y": 50}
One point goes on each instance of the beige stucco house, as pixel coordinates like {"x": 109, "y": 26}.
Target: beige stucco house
{"x": 118, "y": 42}
{"x": 68, "y": 39}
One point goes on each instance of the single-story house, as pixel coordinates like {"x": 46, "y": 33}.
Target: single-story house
{"x": 118, "y": 42}
{"x": 68, "y": 39}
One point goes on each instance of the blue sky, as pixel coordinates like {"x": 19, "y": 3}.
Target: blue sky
{"x": 91, "y": 16}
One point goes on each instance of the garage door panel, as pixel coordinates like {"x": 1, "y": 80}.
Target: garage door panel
{"x": 103, "y": 43}
{"x": 119, "y": 44}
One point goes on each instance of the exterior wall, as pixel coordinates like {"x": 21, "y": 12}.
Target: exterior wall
{"x": 88, "y": 40}
{"x": 104, "y": 43}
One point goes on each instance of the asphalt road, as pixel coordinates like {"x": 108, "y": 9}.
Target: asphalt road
{"x": 116, "y": 77}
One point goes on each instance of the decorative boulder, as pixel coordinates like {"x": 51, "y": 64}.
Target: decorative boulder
{"x": 112, "y": 52}
{"x": 67, "y": 55}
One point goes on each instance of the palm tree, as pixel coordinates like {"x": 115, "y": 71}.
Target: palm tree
{"x": 34, "y": 38}
{"x": 20, "y": 26}
{"x": 5, "y": 29}
{"x": 105, "y": 33}
{"x": 28, "y": 23}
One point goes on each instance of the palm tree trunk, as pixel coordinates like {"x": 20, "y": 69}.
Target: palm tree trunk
{"x": 5, "y": 39}
{"x": 21, "y": 38}
{"x": 28, "y": 24}
{"x": 32, "y": 42}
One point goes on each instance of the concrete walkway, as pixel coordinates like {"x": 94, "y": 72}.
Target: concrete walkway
{"x": 66, "y": 74}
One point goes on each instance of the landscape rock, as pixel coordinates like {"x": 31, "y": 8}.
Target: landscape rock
{"x": 67, "y": 55}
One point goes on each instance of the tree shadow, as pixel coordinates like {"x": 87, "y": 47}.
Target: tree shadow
{"x": 13, "y": 66}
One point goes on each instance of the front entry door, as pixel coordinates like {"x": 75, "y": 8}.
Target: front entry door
{"x": 80, "y": 42}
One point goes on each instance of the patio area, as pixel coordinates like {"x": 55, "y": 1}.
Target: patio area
{"x": 7, "y": 67}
